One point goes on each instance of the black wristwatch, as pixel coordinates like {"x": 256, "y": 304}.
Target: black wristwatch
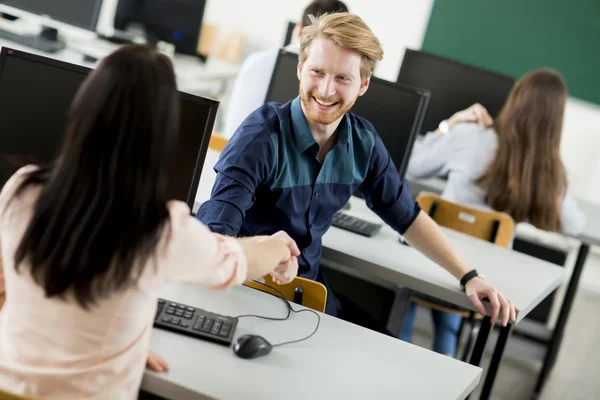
{"x": 468, "y": 276}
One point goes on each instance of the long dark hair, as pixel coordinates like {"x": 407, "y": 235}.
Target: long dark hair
{"x": 527, "y": 178}
{"x": 102, "y": 207}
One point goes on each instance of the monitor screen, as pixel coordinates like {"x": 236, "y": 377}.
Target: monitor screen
{"x": 80, "y": 13}
{"x": 454, "y": 86}
{"x": 395, "y": 110}
{"x": 173, "y": 21}
{"x": 35, "y": 95}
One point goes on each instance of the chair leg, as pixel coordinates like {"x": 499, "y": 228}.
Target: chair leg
{"x": 473, "y": 331}
{"x": 459, "y": 335}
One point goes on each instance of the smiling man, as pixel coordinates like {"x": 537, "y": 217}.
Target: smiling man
{"x": 292, "y": 166}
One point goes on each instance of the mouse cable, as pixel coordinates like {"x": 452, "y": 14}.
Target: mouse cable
{"x": 290, "y": 309}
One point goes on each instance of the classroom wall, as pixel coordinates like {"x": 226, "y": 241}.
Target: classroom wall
{"x": 401, "y": 24}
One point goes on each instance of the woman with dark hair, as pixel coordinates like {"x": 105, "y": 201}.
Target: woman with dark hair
{"x": 511, "y": 165}
{"x": 88, "y": 240}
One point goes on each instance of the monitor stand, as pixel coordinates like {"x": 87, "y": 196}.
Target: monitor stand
{"x": 47, "y": 41}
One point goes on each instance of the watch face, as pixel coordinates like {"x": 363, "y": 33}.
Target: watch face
{"x": 444, "y": 126}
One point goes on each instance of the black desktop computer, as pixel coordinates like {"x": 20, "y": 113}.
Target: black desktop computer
{"x": 173, "y": 21}
{"x": 35, "y": 95}
{"x": 454, "y": 86}
{"x": 54, "y": 15}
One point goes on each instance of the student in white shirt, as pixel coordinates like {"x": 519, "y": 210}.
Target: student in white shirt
{"x": 252, "y": 82}
{"x": 511, "y": 164}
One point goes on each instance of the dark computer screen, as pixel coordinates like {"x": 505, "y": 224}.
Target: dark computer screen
{"x": 81, "y": 13}
{"x": 454, "y": 86}
{"x": 173, "y": 21}
{"x": 35, "y": 95}
{"x": 395, "y": 110}
{"x": 289, "y": 31}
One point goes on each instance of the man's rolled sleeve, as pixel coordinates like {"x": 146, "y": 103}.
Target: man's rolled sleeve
{"x": 244, "y": 164}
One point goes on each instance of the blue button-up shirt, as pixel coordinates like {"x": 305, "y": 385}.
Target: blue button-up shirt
{"x": 269, "y": 179}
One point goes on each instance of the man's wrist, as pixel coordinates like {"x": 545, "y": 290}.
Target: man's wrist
{"x": 469, "y": 277}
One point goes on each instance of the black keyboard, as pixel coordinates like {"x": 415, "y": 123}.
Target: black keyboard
{"x": 195, "y": 322}
{"x": 356, "y": 225}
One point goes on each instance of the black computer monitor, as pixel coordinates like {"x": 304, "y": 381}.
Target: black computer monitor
{"x": 54, "y": 15}
{"x": 35, "y": 95}
{"x": 289, "y": 31}
{"x": 395, "y": 110}
{"x": 172, "y": 21}
{"x": 454, "y": 86}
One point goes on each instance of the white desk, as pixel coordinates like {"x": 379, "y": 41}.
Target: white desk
{"x": 341, "y": 361}
{"x": 589, "y": 236}
{"x": 525, "y": 280}
{"x": 192, "y": 75}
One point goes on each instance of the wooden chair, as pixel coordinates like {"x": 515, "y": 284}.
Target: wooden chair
{"x": 314, "y": 294}
{"x": 493, "y": 226}
{"x": 217, "y": 142}
{"x": 11, "y": 396}
{"x": 222, "y": 43}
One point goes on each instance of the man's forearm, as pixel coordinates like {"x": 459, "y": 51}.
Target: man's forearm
{"x": 427, "y": 237}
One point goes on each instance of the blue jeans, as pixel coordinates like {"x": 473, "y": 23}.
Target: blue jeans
{"x": 446, "y": 326}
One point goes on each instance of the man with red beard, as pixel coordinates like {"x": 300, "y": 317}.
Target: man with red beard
{"x": 292, "y": 166}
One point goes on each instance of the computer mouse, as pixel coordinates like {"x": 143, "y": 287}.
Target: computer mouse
{"x": 251, "y": 346}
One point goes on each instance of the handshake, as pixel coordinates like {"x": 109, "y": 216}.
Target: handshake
{"x": 276, "y": 255}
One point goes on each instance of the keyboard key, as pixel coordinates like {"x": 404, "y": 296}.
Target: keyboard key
{"x": 161, "y": 301}
{"x": 179, "y": 313}
{"x": 170, "y": 311}
{"x": 167, "y": 319}
{"x": 173, "y": 304}
{"x": 225, "y": 330}
{"x": 181, "y": 307}
{"x": 176, "y": 320}
{"x": 188, "y": 315}
{"x": 216, "y": 327}
{"x": 190, "y": 309}
{"x": 184, "y": 323}
{"x": 207, "y": 325}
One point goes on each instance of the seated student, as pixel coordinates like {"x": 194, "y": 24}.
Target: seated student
{"x": 512, "y": 165}
{"x": 292, "y": 166}
{"x": 252, "y": 82}
{"x": 87, "y": 242}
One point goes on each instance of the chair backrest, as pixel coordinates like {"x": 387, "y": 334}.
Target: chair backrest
{"x": 11, "y": 396}
{"x": 493, "y": 226}
{"x": 314, "y": 294}
{"x": 222, "y": 43}
{"x": 217, "y": 142}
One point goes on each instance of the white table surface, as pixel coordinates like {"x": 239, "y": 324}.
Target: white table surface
{"x": 190, "y": 72}
{"x": 525, "y": 280}
{"x": 341, "y": 361}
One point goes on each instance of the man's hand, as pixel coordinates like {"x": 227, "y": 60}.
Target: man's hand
{"x": 476, "y": 113}
{"x": 286, "y": 271}
{"x": 476, "y": 289}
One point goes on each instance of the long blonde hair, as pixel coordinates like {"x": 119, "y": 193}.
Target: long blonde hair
{"x": 348, "y": 31}
{"x": 527, "y": 178}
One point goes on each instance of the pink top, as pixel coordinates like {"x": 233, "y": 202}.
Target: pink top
{"x": 52, "y": 348}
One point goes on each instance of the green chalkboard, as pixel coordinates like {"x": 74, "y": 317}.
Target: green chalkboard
{"x": 516, "y": 36}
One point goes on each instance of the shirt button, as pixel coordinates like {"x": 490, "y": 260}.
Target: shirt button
{"x": 316, "y": 194}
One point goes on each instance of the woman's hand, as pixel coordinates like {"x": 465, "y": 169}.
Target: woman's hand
{"x": 156, "y": 362}
{"x": 476, "y": 113}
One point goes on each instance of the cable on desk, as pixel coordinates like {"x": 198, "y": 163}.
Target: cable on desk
{"x": 290, "y": 309}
